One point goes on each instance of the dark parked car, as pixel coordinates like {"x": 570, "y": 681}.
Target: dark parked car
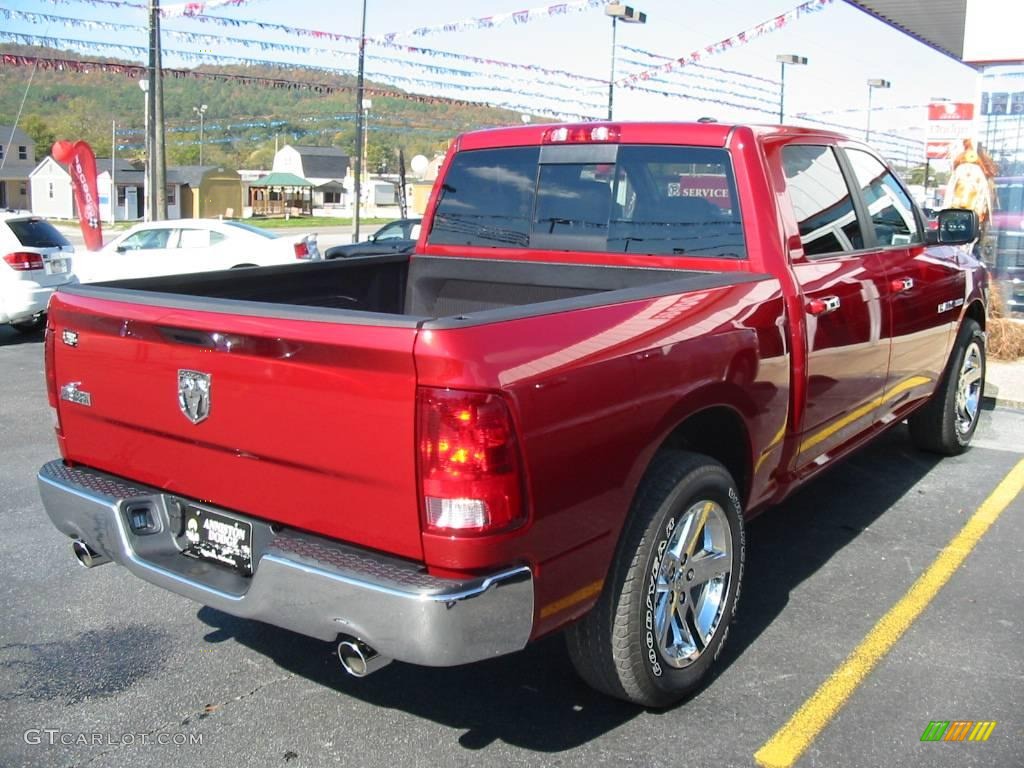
{"x": 395, "y": 237}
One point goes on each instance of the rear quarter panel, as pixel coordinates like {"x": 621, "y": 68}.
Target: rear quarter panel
{"x": 596, "y": 391}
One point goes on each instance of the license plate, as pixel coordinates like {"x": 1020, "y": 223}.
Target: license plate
{"x": 219, "y": 539}
{"x": 57, "y": 267}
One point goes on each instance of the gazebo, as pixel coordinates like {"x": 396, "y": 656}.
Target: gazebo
{"x": 281, "y": 194}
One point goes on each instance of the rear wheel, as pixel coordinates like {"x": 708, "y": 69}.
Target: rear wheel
{"x": 947, "y": 423}
{"x": 665, "y": 610}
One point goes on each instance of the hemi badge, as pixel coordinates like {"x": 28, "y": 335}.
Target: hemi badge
{"x": 69, "y": 337}
{"x": 73, "y": 394}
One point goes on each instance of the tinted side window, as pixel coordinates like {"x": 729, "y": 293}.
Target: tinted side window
{"x": 487, "y": 198}
{"x": 821, "y": 200}
{"x": 392, "y": 231}
{"x": 36, "y": 233}
{"x": 892, "y": 213}
{"x": 146, "y": 239}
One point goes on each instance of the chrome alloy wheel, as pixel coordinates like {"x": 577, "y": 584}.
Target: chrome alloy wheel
{"x": 692, "y": 584}
{"x": 968, "y": 389}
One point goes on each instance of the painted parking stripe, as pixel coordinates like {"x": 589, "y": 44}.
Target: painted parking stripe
{"x": 789, "y": 742}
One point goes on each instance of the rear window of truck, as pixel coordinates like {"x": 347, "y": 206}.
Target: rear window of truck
{"x": 657, "y": 200}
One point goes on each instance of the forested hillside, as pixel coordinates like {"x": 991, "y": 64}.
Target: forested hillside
{"x": 242, "y": 120}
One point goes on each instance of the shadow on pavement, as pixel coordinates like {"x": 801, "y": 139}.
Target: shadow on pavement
{"x": 533, "y": 699}
{"x": 789, "y": 543}
{"x": 10, "y": 337}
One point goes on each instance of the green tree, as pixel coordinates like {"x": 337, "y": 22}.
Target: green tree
{"x": 40, "y": 132}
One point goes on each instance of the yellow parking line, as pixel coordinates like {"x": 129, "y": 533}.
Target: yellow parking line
{"x": 789, "y": 742}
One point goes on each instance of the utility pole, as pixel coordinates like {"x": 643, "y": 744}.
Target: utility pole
{"x": 158, "y": 197}
{"x": 359, "y": 128}
{"x": 113, "y": 171}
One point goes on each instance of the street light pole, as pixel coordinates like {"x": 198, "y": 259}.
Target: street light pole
{"x": 359, "y": 127}
{"x": 784, "y": 59}
{"x": 629, "y": 15}
{"x": 872, "y": 84}
{"x": 201, "y": 111}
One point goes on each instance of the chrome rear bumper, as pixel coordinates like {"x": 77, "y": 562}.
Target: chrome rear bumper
{"x": 308, "y": 584}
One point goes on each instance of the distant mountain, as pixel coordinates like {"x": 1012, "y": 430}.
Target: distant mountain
{"x": 242, "y": 121}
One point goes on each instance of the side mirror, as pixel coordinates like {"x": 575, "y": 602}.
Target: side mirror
{"x": 957, "y": 226}
{"x": 120, "y": 249}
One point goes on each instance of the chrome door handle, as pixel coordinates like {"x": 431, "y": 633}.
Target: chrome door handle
{"x": 902, "y": 284}
{"x": 823, "y": 306}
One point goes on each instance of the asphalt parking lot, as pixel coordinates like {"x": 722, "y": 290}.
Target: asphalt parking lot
{"x": 146, "y": 678}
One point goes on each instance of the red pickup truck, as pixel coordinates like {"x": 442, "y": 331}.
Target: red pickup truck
{"x": 555, "y": 414}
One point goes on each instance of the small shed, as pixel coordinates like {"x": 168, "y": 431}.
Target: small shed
{"x": 220, "y": 194}
{"x": 279, "y": 194}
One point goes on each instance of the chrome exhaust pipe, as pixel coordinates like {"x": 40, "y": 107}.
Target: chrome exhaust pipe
{"x": 359, "y": 659}
{"x": 87, "y": 556}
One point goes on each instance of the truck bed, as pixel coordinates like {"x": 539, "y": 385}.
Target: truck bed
{"x": 328, "y": 349}
{"x": 410, "y": 291}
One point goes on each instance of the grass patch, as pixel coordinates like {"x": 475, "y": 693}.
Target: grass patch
{"x": 312, "y": 222}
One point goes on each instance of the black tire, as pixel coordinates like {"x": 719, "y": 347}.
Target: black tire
{"x": 946, "y": 424}
{"x": 615, "y": 647}
{"x": 33, "y": 325}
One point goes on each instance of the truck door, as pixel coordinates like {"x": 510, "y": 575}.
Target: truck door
{"x": 924, "y": 290}
{"x": 843, "y": 285}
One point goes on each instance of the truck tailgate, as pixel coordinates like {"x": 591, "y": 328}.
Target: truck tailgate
{"x": 309, "y": 424}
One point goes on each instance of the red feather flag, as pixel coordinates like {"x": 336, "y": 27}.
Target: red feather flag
{"x": 81, "y": 162}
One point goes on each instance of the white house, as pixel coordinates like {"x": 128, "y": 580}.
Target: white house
{"x": 52, "y": 196}
{"x": 17, "y": 158}
{"x": 325, "y": 167}
{"x": 51, "y": 190}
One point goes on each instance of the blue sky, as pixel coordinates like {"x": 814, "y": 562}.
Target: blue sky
{"x": 844, "y": 46}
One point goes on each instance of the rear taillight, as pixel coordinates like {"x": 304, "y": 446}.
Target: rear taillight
{"x": 51, "y": 373}
{"x": 469, "y": 465}
{"x": 301, "y": 250}
{"x": 22, "y": 261}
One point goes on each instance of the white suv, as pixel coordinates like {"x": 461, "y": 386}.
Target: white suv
{"x": 35, "y": 259}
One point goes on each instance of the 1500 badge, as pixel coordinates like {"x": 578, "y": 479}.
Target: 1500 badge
{"x": 948, "y": 305}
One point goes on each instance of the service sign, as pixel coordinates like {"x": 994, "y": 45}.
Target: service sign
{"x": 712, "y": 187}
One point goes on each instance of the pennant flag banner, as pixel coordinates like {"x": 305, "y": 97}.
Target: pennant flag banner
{"x": 488, "y": 22}
{"x": 216, "y": 42}
{"x": 714, "y": 89}
{"x": 310, "y": 33}
{"x": 175, "y": 9}
{"x": 136, "y": 72}
{"x": 745, "y": 75}
{"x": 194, "y": 56}
{"x": 740, "y": 38}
